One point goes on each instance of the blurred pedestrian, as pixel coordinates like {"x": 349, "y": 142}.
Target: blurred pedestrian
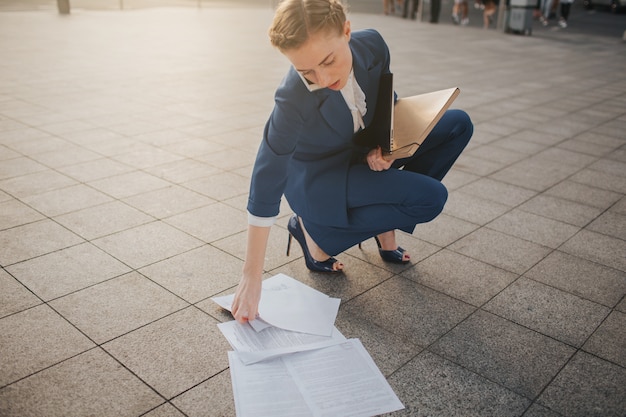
{"x": 566, "y": 5}
{"x": 545, "y": 8}
{"x": 412, "y": 4}
{"x": 435, "y": 9}
{"x": 388, "y": 6}
{"x": 489, "y": 9}
{"x": 460, "y": 7}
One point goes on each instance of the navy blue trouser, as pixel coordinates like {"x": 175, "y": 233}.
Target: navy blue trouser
{"x": 408, "y": 193}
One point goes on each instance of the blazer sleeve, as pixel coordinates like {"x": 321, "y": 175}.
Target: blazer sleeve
{"x": 269, "y": 176}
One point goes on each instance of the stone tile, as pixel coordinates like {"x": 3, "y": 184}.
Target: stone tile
{"x": 357, "y": 277}
{"x": 534, "y": 173}
{"x": 115, "y": 307}
{"x": 165, "y": 410}
{"x": 220, "y": 186}
{"x": 549, "y": 311}
{"x": 8, "y": 154}
{"x": 498, "y": 192}
{"x": 67, "y": 270}
{"x": 65, "y": 200}
{"x": 472, "y": 208}
{"x": 146, "y": 158}
{"x": 599, "y": 248}
{"x": 609, "y": 341}
{"x": 534, "y": 228}
{"x": 38, "y": 145}
{"x": 163, "y": 137}
{"x": 111, "y": 218}
{"x": 456, "y": 178}
{"x": 511, "y": 355}
{"x": 197, "y": 274}
{"x": 464, "y": 278}
{"x": 95, "y": 169}
{"x": 611, "y": 167}
{"x": 564, "y": 156}
{"x": 69, "y": 155}
{"x": 598, "y": 179}
{"x": 35, "y": 183}
{"x": 580, "y": 277}
{"x": 183, "y": 170}
{"x": 410, "y": 310}
{"x": 169, "y": 201}
{"x": 584, "y": 194}
{"x": 476, "y": 165}
{"x": 537, "y": 410}
{"x": 14, "y": 213}
{"x": 587, "y": 387}
{"x": 215, "y": 394}
{"x": 368, "y": 252}
{"x": 34, "y": 239}
{"x": 210, "y": 223}
{"x": 126, "y": 185}
{"x": 432, "y": 386}
{"x": 192, "y": 148}
{"x": 231, "y": 158}
{"x": 619, "y": 207}
{"x": 621, "y": 306}
{"x": 444, "y": 230}
{"x": 147, "y": 244}
{"x": 175, "y": 353}
{"x": 500, "y": 250}
{"x": 389, "y": 351}
{"x": 496, "y": 154}
{"x": 35, "y": 339}
{"x": 91, "y": 383}
{"x": 585, "y": 147}
{"x": 513, "y": 143}
{"x": 562, "y": 210}
{"x": 20, "y": 134}
{"x": 610, "y": 223}
{"x": 19, "y": 166}
{"x": 14, "y": 297}
{"x": 245, "y": 139}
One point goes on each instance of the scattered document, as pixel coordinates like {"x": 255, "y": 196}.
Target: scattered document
{"x": 253, "y": 346}
{"x": 288, "y": 304}
{"x": 340, "y": 380}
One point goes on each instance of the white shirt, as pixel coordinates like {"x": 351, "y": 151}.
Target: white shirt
{"x": 355, "y": 99}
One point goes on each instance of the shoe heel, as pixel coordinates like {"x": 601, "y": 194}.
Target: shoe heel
{"x": 289, "y": 244}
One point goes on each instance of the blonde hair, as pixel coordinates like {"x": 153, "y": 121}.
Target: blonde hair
{"x": 296, "y": 20}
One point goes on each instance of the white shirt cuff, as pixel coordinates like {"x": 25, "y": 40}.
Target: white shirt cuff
{"x": 261, "y": 221}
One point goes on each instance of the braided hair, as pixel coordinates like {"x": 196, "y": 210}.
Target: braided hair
{"x": 296, "y": 20}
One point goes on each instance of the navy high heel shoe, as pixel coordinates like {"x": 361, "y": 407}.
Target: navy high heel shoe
{"x": 393, "y": 256}
{"x": 316, "y": 266}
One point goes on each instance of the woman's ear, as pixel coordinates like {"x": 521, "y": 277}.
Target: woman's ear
{"x": 346, "y": 29}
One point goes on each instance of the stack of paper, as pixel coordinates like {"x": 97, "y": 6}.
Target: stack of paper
{"x": 293, "y": 362}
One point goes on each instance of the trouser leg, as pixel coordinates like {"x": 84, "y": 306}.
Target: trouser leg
{"x": 398, "y": 198}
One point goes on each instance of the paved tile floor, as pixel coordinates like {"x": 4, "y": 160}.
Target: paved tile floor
{"x": 126, "y": 145}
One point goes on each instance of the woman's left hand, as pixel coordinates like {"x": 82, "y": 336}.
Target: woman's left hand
{"x": 376, "y": 161}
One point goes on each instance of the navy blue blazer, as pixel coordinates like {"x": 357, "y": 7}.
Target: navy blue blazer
{"x": 307, "y": 145}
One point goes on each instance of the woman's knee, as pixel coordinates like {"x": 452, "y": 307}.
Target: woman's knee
{"x": 429, "y": 202}
{"x": 462, "y": 123}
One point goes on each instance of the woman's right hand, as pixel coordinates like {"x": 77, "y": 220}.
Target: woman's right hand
{"x": 245, "y": 305}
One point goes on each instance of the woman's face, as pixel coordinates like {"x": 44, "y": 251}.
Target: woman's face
{"x": 325, "y": 58}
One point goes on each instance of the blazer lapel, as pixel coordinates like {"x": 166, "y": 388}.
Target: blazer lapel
{"x": 335, "y": 111}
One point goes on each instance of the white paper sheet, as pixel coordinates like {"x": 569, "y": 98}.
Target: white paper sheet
{"x": 341, "y": 380}
{"x": 265, "y": 389}
{"x": 288, "y": 304}
{"x": 253, "y": 346}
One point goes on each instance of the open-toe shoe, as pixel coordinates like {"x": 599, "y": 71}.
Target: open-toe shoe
{"x": 394, "y": 256}
{"x": 295, "y": 230}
